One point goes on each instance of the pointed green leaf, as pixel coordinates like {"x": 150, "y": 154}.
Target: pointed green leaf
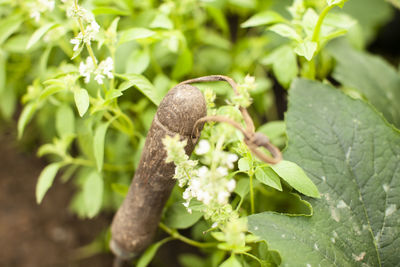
{"x": 295, "y": 177}
{"x": 39, "y": 33}
{"x": 306, "y": 49}
{"x": 148, "y": 255}
{"x": 135, "y": 34}
{"x": 98, "y": 144}
{"x": 285, "y": 31}
{"x": 263, "y": 18}
{"x": 352, "y": 154}
{"x": 8, "y": 26}
{"x": 370, "y": 75}
{"x": 268, "y": 177}
{"x": 81, "y": 97}
{"x": 143, "y": 85}
{"x": 93, "y": 193}
{"x": 162, "y": 21}
{"x": 284, "y": 64}
{"x": 45, "y": 180}
{"x": 25, "y": 117}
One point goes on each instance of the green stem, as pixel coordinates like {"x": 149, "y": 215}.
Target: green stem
{"x": 175, "y": 234}
{"x": 321, "y": 18}
{"x": 251, "y": 193}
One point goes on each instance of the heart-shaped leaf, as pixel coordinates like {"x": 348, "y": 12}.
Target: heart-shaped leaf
{"x": 352, "y": 154}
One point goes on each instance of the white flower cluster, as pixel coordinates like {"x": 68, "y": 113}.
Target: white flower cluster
{"x": 243, "y": 98}
{"x": 40, "y": 6}
{"x": 104, "y": 69}
{"x": 211, "y": 186}
{"x": 85, "y": 17}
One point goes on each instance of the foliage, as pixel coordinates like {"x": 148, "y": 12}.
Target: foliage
{"x": 88, "y": 76}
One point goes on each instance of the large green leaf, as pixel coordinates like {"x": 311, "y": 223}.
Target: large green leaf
{"x": 371, "y": 76}
{"x": 352, "y": 154}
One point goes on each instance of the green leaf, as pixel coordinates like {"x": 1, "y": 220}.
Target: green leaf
{"x": 138, "y": 61}
{"x": 284, "y": 64}
{"x": 8, "y": 26}
{"x": 93, "y": 193}
{"x": 65, "y": 121}
{"x": 268, "y": 177}
{"x": 135, "y": 34}
{"x": 39, "y": 33}
{"x": 178, "y": 217}
{"x": 242, "y": 187}
{"x": 25, "y": 117}
{"x": 275, "y": 131}
{"x": 263, "y": 18}
{"x": 50, "y": 90}
{"x": 162, "y": 21}
{"x": 120, "y": 189}
{"x": 144, "y": 86}
{"x": 295, "y": 177}
{"x": 150, "y": 252}
{"x": 306, "y": 49}
{"x": 231, "y": 262}
{"x": 352, "y": 154}
{"x": 98, "y": 144}
{"x": 81, "y": 97}
{"x": 285, "y": 31}
{"x": 371, "y": 76}
{"x": 183, "y": 64}
{"x": 109, "y": 11}
{"x": 45, "y": 180}
{"x": 244, "y": 164}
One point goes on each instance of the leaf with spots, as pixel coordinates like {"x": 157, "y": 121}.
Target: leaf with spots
{"x": 352, "y": 154}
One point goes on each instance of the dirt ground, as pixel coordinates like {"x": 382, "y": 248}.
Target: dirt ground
{"x": 45, "y": 235}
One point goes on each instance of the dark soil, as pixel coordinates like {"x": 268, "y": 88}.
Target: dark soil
{"x": 45, "y": 235}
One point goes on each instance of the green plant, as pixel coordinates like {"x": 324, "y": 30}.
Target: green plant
{"x": 90, "y": 74}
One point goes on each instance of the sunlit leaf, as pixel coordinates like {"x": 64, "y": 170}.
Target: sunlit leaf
{"x": 45, "y": 180}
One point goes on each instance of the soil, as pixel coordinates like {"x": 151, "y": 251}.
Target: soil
{"x": 40, "y": 235}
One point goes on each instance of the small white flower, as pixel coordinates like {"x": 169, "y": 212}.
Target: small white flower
{"x": 214, "y": 225}
{"x": 99, "y": 78}
{"x": 231, "y": 159}
{"x": 223, "y": 197}
{"x": 203, "y": 147}
{"x": 203, "y": 171}
{"x": 186, "y": 195}
{"x": 231, "y": 185}
{"x": 85, "y": 69}
{"x": 35, "y": 14}
{"x": 223, "y": 171}
{"x": 76, "y": 42}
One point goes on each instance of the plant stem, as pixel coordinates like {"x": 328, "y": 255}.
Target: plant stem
{"x": 315, "y": 38}
{"x": 175, "y": 234}
{"x": 321, "y": 18}
{"x": 251, "y": 193}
